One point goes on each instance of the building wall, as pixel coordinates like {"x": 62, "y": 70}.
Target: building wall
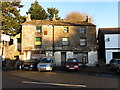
{"x": 28, "y": 37}
{"x": 92, "y": 58}
{"x": 29, "y": 33}
{"x": 112, "y": 40}
{"x": 111, "y": 45}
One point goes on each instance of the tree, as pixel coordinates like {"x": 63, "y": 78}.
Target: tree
{"x": 37, "y": 12}
{"x": 53, "y": 11}
{"x": 76, "y": 16}
{"x": 11, "y": 18}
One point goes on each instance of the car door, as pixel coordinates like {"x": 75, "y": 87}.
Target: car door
{"x": 115, "y": 64}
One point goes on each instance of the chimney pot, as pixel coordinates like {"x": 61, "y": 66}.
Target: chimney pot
{"x": 28, "y": 18}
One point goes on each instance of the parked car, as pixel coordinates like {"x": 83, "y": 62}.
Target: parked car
{"x": 115, "y": 64}
{"x": 30, "y": 64}
{"x": 46, "y": 64}
{"x": 72, "y": 64}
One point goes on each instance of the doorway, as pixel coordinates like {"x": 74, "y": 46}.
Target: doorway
{"x": 63, "y": 58}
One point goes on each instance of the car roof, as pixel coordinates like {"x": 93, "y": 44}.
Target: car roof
{"x": 48, "y": 57}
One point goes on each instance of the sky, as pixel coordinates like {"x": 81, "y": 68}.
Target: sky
{"x": 104, "y": 13}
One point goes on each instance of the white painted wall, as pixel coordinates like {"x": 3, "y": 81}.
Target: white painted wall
{"x": 57, "y": 56}
{"x": 112, "y": 40}
{"x": 92, "y": 58}
{"x": 109, "y": 55}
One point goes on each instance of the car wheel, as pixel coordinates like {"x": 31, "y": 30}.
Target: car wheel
{"x": 111, "y": 68}
{"x": 118, "y": 70}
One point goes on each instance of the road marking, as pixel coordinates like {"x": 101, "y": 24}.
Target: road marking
{"x": 57, "y": 84}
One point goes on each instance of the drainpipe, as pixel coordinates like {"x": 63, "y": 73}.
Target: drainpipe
{"x": 53, "y": 41}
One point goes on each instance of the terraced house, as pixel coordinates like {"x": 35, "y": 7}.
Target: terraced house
{"x": 59, "y": 38}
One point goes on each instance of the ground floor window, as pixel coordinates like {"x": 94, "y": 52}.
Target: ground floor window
{"x": 116, "y": 54}
{"x": 81, "y": 57}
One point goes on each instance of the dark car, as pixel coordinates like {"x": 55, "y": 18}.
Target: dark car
{"x": 115, "y": 64}
{"x": 30, "y": 64}
{"x": 72, "y": 64}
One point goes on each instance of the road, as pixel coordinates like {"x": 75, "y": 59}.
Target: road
{"x": 60, "y": 79}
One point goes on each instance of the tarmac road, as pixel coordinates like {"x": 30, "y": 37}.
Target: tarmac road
{"x": 85, "y": 78}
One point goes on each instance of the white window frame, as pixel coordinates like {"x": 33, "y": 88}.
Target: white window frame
{"x": 83, "y": 42}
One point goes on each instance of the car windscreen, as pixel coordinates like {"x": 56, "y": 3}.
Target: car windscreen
{"x": 46, "y": 60}
{"x": 118, "y": 61}
{"x": 72, "y": 61}
{"x": 30, "y": 61}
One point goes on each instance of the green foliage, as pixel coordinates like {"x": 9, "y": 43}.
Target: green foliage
{"x": 53, "y": 11}
{"x": 11, "y": 18}
{"x": 37, "y": 12}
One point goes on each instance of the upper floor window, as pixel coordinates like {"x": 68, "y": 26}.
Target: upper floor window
{"x": 65, "y": 41}
{"x": 38, "y": 41}
{"x": 18, "y": 40}
{"x": 66, "y": 29}
{"x": 82, "y": 29}
{"x": 39, "y": 29}
{"x": 45, "y": 32}
{"x": 83, "y": 42}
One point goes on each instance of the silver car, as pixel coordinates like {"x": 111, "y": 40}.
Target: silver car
{"x": 115, "y": 64}
{"x": 46, "y": 64}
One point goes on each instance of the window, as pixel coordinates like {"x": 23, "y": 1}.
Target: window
{"x": 65, "y": 41}
{"x": 39, "y": 29}
{"x": 38, "y": 41}
{"x": 82, "y": 29}
{"x": 82, "y": 41}
{"x": 18, "y": 40}
{"x": 65, "y": 29}
{"x": 45, "y": 32}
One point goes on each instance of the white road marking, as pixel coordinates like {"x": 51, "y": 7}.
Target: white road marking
{"x": 71, "y": 85}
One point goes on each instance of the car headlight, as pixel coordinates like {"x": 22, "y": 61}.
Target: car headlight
{"x": 76, "y": 66}
{"x": 31, "y": 65}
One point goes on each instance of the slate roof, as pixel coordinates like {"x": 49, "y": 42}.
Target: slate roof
{"x": 109, "y": 30}
{"x": 57, "y": 23}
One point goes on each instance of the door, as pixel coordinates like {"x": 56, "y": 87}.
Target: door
{"x": 63, "y": 58}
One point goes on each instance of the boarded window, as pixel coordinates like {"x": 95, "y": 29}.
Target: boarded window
{"x": 38, "y": 41}
{"x": 45, "y": 32}
{"x": 65, "y": 41}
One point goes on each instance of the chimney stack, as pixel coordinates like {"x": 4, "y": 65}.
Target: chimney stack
{"x": 54, "y": 18}
{"x": 88, "y": 19}
{"x": 28, "y": 18}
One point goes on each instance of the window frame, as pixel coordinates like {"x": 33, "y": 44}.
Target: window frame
{"x": 39, "y": 30}
{"x": 65, "y": 41}
{"x": 65, "y": 29}
{"x": 38, "y": 41}
{"x": 81, "y": 41}
{"x": 83, "y": 29}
